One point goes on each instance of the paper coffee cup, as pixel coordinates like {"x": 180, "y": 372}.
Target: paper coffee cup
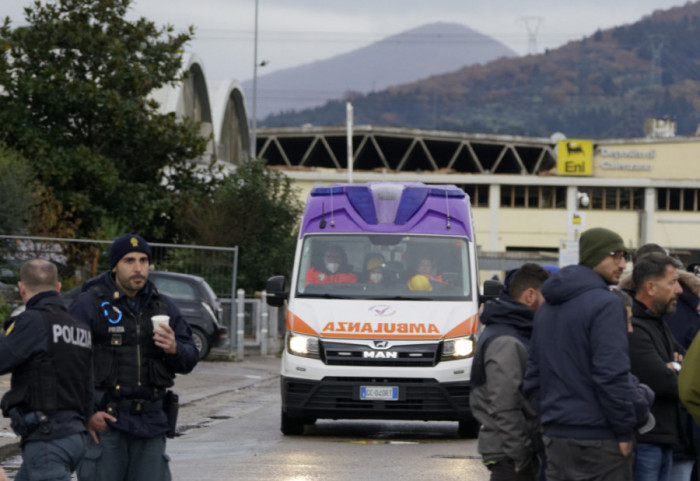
{"x": 160, "y": 320}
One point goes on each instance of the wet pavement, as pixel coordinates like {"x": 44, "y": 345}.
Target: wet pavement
{"x": 208, "y": 379}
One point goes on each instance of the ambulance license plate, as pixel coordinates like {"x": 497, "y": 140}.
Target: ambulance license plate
{"x": 379, "y": 393}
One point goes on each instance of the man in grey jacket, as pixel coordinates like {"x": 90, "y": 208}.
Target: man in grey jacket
{"x": 509, "y": 436}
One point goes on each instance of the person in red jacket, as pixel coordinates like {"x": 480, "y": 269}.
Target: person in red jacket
{"x": 335, "y": 268}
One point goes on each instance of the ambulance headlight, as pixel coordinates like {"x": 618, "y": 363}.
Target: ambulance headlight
{"x": 457, "y": 348}
{"x": 301, "y": 345}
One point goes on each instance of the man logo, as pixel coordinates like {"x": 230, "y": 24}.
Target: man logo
{"x": 379, "y": 355}
{"x": 381, "y": 344}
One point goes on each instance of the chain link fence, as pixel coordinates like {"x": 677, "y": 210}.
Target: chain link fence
{"x": 79, "y": 260}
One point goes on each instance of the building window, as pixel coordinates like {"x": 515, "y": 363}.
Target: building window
{"x": 533, "y": 196}
{"x": 478, "y": 194}
{"x": 677, "y": 199}
{"x": 613, "y": 198}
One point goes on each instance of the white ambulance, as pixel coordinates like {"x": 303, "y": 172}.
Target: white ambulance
{"x": 382, "y": 306}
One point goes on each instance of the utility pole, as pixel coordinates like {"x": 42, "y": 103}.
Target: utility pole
{"x": 253, "y": 133}
{"x": 657, "y": 45}
{"x": 532, "y": 24}
{"x": 349, "y": 126}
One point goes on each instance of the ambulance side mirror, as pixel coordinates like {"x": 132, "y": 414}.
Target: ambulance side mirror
{"x": 276, "y": 292}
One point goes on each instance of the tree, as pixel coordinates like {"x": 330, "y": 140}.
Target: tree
{"x": 16, "y": 187}
{"x": 256, "y": 209}
{"x": 75, "y": 102}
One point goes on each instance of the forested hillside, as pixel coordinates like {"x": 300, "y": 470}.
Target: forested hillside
{"x": 602, "y": 86}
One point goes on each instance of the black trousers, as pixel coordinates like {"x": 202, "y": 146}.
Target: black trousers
{"x": 505, "y": 471}
{"x": 586, "y": 459}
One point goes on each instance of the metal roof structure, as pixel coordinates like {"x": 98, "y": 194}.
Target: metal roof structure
{"x": 389, "y": 149}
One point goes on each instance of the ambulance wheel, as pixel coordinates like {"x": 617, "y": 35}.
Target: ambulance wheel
{"x": 469, "y": 429}
{"x": 291, "y": 426}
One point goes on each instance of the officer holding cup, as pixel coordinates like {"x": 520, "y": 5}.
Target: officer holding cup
{"x": 135, "y": 365}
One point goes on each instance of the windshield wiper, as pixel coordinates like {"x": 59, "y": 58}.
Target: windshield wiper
{"x": 404, "y": 298}
{"x": 325, "y": 296}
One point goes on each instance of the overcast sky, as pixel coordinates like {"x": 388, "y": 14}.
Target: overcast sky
{"x": 295, "y": 32}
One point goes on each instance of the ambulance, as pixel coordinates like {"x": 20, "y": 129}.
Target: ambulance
{"x": 382, "y": 306}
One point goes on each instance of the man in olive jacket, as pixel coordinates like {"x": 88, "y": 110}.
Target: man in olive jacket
{"x": 509, "y": 439}
{"x": 689, "y": 380}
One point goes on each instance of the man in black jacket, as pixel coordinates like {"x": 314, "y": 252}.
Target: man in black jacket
{"x": 135, "y": 364}
{"x": 655, "y": 356}
{"x": 49, "y": 354}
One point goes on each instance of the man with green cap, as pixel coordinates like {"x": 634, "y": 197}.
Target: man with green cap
{"x": 577, "y": 377}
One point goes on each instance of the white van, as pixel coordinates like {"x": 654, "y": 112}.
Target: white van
{"x": 382, "y": 308}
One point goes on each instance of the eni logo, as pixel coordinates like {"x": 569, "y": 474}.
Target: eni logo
{"x": 382, "y": 310}
{"x": 134, "y": 242}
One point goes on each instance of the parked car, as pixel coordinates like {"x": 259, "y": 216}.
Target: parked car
{"x": 199, "y": 306}
{"x": 197, "y": 302}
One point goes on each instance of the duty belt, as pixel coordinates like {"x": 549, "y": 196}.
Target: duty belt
{"x": 138, "y": 406}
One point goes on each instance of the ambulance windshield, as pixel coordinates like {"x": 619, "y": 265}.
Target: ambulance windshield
{"x": 385, "y": 266}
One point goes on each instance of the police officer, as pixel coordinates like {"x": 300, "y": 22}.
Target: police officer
{"x": 135, "y": 365}
{"x": 48, "y": 352}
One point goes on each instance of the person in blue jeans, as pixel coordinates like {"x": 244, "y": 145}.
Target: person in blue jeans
{"x": 655, "y": 357}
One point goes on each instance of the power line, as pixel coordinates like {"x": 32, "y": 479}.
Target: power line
{"x": 412, "y": 38}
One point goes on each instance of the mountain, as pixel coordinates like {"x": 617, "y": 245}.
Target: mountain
{"x": 603, "y": 86}
{"x": 408, "y": 56}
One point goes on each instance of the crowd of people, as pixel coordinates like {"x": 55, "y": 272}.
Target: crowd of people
{"x": 581, "y": 375}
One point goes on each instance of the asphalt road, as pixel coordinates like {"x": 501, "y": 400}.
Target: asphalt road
{"x": 229, "y": 429}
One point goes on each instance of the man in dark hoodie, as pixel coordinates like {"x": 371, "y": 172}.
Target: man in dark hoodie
{"x": 654, "y": 354}
{"x": 509, "y": 439}
{"x": 577, "y": 377}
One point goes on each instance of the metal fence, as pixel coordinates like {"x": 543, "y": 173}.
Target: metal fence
{"x": 81, "y": 259}
{"x": 260, "y": 327}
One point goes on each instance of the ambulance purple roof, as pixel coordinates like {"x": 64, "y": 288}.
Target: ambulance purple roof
{"x": 388, "y": 207}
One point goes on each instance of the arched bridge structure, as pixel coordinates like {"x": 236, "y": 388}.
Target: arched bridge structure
{"x": 218, "y": 107}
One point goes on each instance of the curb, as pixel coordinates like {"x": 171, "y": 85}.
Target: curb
{"x": 10, "y": 449}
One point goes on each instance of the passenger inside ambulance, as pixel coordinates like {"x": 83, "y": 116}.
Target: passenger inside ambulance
{"x": 374, "y": 269}
{"x": 333, "y": 268}
{"x": 426, "y": 277}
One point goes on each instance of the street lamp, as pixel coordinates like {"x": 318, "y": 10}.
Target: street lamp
{"x": 253, "y": 135}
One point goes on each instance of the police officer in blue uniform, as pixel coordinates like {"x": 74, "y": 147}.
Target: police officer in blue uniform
{"x": 135, "y": 365}
{"x": 50, "y": 399}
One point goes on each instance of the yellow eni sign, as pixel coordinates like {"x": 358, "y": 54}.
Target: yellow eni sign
{"x": 575, "y": 157}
